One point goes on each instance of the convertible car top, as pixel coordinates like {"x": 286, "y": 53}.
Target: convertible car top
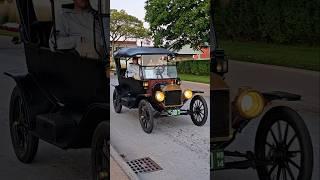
{"x": 131, "y": 52}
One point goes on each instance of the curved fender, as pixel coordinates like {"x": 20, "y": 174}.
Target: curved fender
{"x": 37, "y": 102}
{"x": 18, "y": 78}
{"x": 197, "y": 92}
{"x": 24, "y": 82}
{"x": 94, "y": 114}
{"x": 279, "y": 95}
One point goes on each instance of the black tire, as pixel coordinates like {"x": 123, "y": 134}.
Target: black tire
{"x": 146, "y": 116}
{"x": 100, "y": 153}
{"x": 116, "y": 101}
{"x": 198, "y": 110}
{"x": 25, "y": 145}
{"x": 282, "y": 151}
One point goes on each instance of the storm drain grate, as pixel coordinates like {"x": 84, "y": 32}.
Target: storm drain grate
{"x": 143, "y": 165}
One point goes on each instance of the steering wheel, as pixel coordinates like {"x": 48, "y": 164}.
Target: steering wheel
{"x": 159, "y": 70}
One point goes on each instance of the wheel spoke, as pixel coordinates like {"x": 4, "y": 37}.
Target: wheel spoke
{"x": 278, "y": 173}
{"x": 267, "y": 143}
{"x": 199, "y": 118}
{"x": 291, "y": 140}
{"x": 199, "y": 103}
{"x": 293, "y": 163}
{"x": 289, "y": 170}
{"x": 279, "y": 131}
{"x": 284, "y": 174}
{"x": 273, "y": 136}
{"x": 146, "y": 124}
{"x": 196, "y": 116}
{"x": 272, "y": 169}
{"x": 286, "y": 133}
{"x": 196, "y": 103}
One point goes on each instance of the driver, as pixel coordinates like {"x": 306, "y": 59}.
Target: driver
{"x": 74, "y": 30}
{"x": 133, "y": 69}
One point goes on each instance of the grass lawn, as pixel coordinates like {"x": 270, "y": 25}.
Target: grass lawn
{"x": 303, "y": 57}
{"x": 195, "y": 78}
{"x": 8, "y": 33}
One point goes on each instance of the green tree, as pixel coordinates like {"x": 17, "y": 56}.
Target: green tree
{"x": 124, "y": 26}
{"x": 178, "y": 22}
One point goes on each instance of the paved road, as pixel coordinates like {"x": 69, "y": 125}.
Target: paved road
{"x": 176, "y": 144}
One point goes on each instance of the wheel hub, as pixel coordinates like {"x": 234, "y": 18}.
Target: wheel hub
{"x": 280, "y": 153}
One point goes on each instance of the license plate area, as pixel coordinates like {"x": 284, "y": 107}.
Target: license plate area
{"x": 174, "y": 112}
{"x": 217, "y": 159}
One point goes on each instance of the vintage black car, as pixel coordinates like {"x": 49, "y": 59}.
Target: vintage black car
{"x": 63, "y": 98}
{"x": 282, "y": 146}
{"x": 155, "y": 87}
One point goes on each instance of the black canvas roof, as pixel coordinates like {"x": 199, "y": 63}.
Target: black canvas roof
{"x": 131, "y": 52}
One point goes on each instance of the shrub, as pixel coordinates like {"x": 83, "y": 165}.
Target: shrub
{"x": 194, "y": 67}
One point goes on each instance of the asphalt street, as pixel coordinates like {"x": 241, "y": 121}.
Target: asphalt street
{"x": 176, "y": 144}
{"x": 179, "y": 147}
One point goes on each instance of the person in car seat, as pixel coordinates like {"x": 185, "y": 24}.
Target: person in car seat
{"x": 133, "y": 69}
{"x": 74, "y": 30}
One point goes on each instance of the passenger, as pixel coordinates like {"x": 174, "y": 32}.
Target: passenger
{"x": 74, "y": 30}
{"x": 133, "y": 69}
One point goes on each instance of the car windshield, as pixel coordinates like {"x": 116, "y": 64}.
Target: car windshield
{"x": 158, "y": 67}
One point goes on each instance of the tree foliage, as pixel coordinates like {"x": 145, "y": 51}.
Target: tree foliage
{"x": 275, "y": 21}
{"x": 178, "y": 22}
{"x": 124, "y": 26}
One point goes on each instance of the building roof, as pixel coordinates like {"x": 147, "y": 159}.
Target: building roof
{"x": 187, "y": 50}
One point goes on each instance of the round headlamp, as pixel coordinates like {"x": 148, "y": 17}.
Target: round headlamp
{"x": 188, "y": 94}
{"x": 159, "y": 96}
{"x": 250, "y": 104}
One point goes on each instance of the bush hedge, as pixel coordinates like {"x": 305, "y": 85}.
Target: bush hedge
{"x": 195, "y": 67}
{"x": 272, "y": 21}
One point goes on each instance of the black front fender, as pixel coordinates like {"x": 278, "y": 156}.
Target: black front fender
{"x": 17, "y": 77}
{"x": 197, "y": 92}
{"x": 279, "y": 95}
{"x": 94, "y": 115}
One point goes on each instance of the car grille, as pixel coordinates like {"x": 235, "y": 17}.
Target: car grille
{"x": 172, "y": 98}
{"x": 220, "y": 123}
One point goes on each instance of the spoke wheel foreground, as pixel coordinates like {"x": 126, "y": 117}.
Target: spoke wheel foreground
{"x": 100, "y": 152}
{"x": 25, "y": 145}
{"x": 198, "y": 110}
{"x": 116, "y": 101}
{"x": 146, "y": 116}
{"x": 283, "y": 140}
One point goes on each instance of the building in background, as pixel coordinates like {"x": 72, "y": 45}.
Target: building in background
{"x": 204, "y": 55}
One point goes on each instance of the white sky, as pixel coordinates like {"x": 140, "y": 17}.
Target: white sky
{"x": 132, "y": 7}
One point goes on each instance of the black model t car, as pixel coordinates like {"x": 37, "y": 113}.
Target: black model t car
{"x": 63, "y": 97}
{"x": 154, "y": 87}
{"x": 282, "y": 146}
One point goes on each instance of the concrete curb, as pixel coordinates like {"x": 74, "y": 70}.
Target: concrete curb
{"x": 124, "y": 166}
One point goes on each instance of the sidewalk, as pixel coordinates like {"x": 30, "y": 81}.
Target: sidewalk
{"x": 118, "y": 167}
{"x": 116, "y": 172}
